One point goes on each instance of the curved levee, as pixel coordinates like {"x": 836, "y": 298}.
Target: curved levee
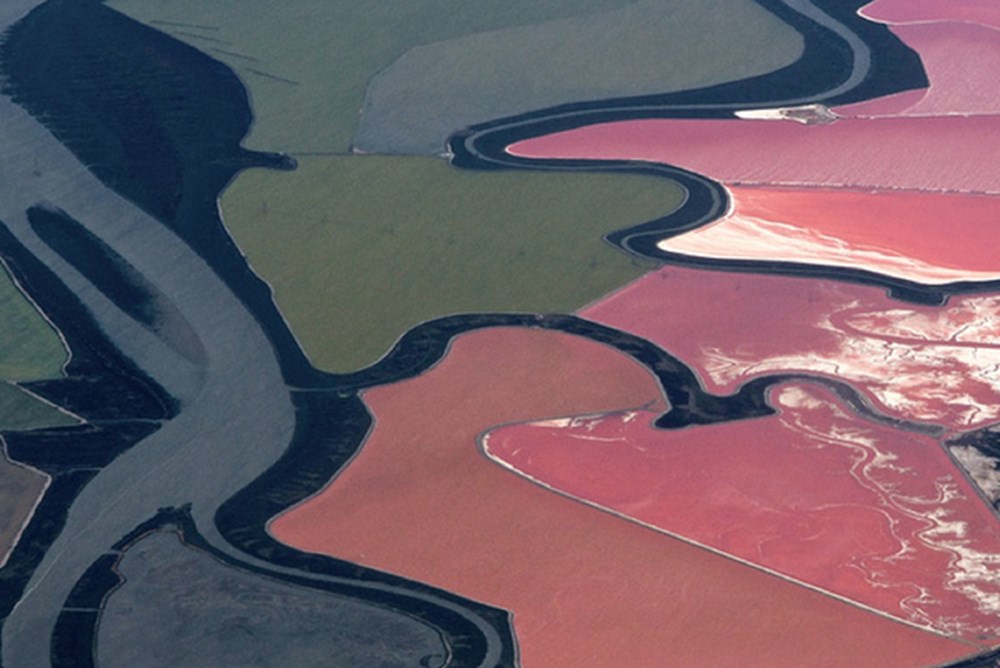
{"x": 271, "y": 445}
{"x": 877, "y": 61}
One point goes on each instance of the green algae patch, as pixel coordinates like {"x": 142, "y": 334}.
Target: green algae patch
{"x": 19, "y": 410}
{"x": 308, "y": 63}
{"x": 360, "y": 249}
{"x": 29, "y": 348}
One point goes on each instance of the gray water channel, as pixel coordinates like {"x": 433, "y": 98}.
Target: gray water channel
{"x": 236, "y": 416}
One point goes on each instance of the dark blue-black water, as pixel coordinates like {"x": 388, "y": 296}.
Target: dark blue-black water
{"x": 108, "y": 271}
{"x": 160, "y": 123}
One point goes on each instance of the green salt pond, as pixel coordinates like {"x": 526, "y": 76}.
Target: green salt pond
{"x": 29, "y": 350}
{"x": 19, "y": 410}
{"x": 360, "y": 249}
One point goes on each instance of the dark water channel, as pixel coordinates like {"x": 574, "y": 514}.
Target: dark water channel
{"x": 117, "y": 141}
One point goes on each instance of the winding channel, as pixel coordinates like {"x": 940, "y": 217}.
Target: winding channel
{"x": 236, "y": 414}
{"x": 484, "y": 146}
{"x": 245, "y": 429}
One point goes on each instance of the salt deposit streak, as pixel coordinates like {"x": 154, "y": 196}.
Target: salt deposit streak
{"x": 815, "y": 493}
{"x": 953, "y": 153}
{"x": 891, "y": 233}
{"x": 933, "y": 364}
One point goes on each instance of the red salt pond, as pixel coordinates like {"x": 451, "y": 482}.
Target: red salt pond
{"x": 985, "y": 12}
{"x": 931, "y": 364}
{"x": 960, "y": 153}
{"x": 585, "y": 587}
{"x": 961, "y": 61}
{"x": 864, "y": 511}
{"x": 946, "y": 138}
{"x": 891, "y": 233}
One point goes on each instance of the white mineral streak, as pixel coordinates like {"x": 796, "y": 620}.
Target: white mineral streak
{"x": 935, "y": 367}
{"x": 740, "y": 237}
{"x": 236, "y": 415}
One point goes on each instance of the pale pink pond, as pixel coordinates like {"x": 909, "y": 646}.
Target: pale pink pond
{"x": 944, "y": 139}
{"x": 961, "y": 61}
{"x": 939, "y": 365}
{"x": 585, "y": 588}
{"x": 892, "y": 233}
{"x": 814, "y": 493}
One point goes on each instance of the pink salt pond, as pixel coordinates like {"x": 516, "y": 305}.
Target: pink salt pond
{"x": 871, "y": 514}
{"x": 938, "y": 365}
{"x": 960, "y": 153}
{"x": 961, "y": 61}
{"x": 890, "y": 233}
{"x": 985, "y": 12}
{"x": 944, "y": 139}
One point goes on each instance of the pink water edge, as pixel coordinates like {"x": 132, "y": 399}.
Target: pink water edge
{"x": 863, "y": 511}
{"x": 960, "y": 153}
{"x": 961, "y": 61}
{"x": 892, "y": 233}
{"x": 939, "y": 365}
{"x": 944, "y": 139}
{"x": 985, "y": 12}
{"x": 817, "y": 493}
